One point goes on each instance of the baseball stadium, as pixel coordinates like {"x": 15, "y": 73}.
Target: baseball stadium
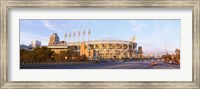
{"x": 96, "y": 49}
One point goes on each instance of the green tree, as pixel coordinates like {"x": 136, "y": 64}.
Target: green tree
{"x": 167, "y": 57}
{"x": 177, "y": 51}
{"x": 42, "y": 54}
{"x": 61, "y": 55}
{"x": 177, "y": 56}
{"x": 36, "y": 55}
{"x": 84, "y": 58}
{"x": 24, "y": 55}
{"x": 72, "y": 55}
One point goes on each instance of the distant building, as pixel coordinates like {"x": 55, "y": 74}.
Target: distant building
{"x": 140, "y": 49}
{"x": 140, "y": 52}
{"x": 25, "y": 47}
{"x": 54, "y": 39}
{"x": 35, "y": 44}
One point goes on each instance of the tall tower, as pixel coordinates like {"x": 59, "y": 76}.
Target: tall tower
{"x": 54, "y": 39}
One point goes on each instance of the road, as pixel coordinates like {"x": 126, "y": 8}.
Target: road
{"x": 109, "y": 65}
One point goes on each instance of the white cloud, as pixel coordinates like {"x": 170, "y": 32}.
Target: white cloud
{"x": 156, "y": 41}
{"x": 46, "y": 24}
{"x": 26, "y": 38}
{"x": 150, "y": 46}
{"x": 157, "y": 44}
{"x": 164, "y": 25}
{"x": 137, "y": 25}
{"x": 28, "y": 22}
{"x": 51, "y": 26}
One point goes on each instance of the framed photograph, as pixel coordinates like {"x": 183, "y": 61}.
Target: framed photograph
{"x": 100, "y": 44}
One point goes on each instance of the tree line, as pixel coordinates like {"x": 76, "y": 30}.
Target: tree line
{"x": 175, "y": 57}
{"x": 43, "y": 54}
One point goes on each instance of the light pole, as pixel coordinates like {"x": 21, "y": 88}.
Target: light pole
{"x": 65, "y": 36}
{"x": 83, "y": 35}
{"x": 69, "y": 37}
{"x": 165, "y": 49}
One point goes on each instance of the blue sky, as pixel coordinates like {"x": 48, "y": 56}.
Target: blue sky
{"x": 150, "y": 34}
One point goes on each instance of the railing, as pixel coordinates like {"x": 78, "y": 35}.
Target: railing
{"x": 38, "y": 63}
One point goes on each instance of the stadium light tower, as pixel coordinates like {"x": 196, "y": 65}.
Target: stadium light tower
{"x": 69, "y": 37}
{"x": 74, "y": 36}
{"x": 65, "y": 36}
{"x": 89, "y": 35}
{"x": 83, "y": 35}
{"x": 79, "y": 33}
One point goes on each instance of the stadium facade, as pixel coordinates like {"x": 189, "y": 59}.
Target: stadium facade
{"x": 96, "y": 49}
